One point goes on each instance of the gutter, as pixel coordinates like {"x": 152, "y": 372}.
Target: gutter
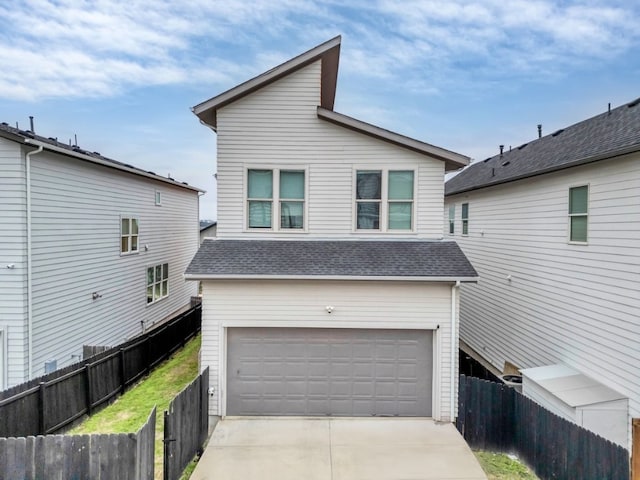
{"x": 454, "y": 348}
{"x": 29, "y": 263}
{"x": 204, "y": 276}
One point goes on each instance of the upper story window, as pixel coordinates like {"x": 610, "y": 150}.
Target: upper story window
{"x": 452, "y": 219}
{"x": 384, "y": 200}
{"x": 158, "y": 197}
{"x": 157, "y": 282}
{"x": 578, "y": 213}
{"x": 465, "y": 219}
{"x": 276, "y": 199}
{"x": 128, "y": 235}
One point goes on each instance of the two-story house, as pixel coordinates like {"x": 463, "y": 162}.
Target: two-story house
{"x": 92, "y": 251}
{"x": 329, "y": 289}
{"x": 553, "y": 227}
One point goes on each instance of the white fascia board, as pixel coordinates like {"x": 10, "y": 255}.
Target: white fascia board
{"x": 195, "y": 276}
{"x": 105, "y": 163}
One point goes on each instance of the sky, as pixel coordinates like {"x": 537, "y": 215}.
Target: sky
{"x": 468, "y": 76}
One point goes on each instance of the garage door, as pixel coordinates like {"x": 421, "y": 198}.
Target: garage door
{"x": 310, "y": 371}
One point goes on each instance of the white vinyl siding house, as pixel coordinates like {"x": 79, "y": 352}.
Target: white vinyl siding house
{"x": 269, "y": 281}
{"x": 559, "y": 260}
{"x": 85, "y": 288}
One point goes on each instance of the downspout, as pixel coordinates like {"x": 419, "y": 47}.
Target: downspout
{"x": 454, "y": 348}
{"x": 29, "y": 263}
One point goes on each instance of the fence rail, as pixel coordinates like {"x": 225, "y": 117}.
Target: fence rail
{"x": 50, "y": 403}
{"x": 186, "y": 426}
{"x": 492, "y": 416}
{"x": 126, "y": 456}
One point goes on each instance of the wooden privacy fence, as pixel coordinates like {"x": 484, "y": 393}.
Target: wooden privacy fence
{"x": 186, "y": 426}
{"x": 494, "y": 417}
{"x": 122, "y": 456}
{"x": 49, "y": 403}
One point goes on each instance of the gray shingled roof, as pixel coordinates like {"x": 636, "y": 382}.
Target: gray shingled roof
{"x": 329, "y": 258}
{"x": 26, "y": 136}
{"x": 603, "y": 136}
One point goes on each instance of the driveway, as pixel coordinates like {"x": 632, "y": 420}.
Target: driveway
{"x": 294, "y": 448}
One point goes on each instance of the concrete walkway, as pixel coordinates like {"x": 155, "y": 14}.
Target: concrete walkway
{"x": 294, "y": 448}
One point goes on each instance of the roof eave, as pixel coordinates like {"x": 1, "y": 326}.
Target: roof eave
{"x": 328, "y": 52}
{"x": 208, "y": 276}
{"x": 98, "y": 161}
{"x": 556, "y": 168}
{"x": 453, "y": 161}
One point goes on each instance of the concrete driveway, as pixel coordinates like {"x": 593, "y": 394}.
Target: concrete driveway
{"x": 294, "y": 448}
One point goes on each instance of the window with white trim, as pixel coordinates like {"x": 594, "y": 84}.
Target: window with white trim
{"x": 157, "y": 282}
{"x": 128, "y": 235}
{"x": 276, "y": 199}
{"x": 158, "y": 197}
{"x": 384, "y": 200}
{"x": 578, "y": 213}
{"x": 465, "y": 219}
{"x": 452, "y": 219}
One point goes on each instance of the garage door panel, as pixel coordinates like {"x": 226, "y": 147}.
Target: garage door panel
{"x": 297, "y": 371}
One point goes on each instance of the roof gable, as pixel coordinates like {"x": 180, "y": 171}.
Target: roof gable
{"x": 328, "y": 53}
{"x": 608, "y": 135}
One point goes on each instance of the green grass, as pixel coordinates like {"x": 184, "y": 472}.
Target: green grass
{"x": 498, "y": 466}
{"x": 129, "y": 412}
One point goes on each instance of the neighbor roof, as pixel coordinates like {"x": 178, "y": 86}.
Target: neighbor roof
{"x": 28, "y": 138}
{"x": 604, "y": 136}
{"x": 330, "y": 259}
{"x": 328, "y": 52}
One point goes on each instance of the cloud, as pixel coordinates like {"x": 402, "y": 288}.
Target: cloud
{"x": 100, "y": 48}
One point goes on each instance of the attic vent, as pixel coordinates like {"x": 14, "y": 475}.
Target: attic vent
{"x": 152, "y": 173}
{"x": 26, "y": 133}
{"x": 521, "y": 147}
{"x": 634, "y": 103}
{"x": 506, "y": 163}
{"x": 557, "y": 132}
{"x": 486, "y": 160}
{"x": 97, "y": 153}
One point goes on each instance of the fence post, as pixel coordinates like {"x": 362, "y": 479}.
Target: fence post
{"x": 122, "y": 370}
{"x": 635, "y": 454}
{"x": 87, "y": 371}
{"x": 41, "y": 405}
{"x": 167, "y": 445}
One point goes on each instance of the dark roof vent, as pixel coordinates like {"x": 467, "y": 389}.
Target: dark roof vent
{"x": 486, "y": 160}
{"x": 152, "y": 173}
{"x": 634, "y": 103}
{"x": 26, "y": 133}
{"x": 97, "y": 153}
{"x": 521, "y": 147}
{"x": 506, "y": 163}
{"x": 557, "y": 132}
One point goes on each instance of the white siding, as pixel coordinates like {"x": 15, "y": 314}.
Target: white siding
{"x": 278, "y": 126}
{"x": 366, "y": 304}
{"x": 571, "y": 304}
{"x": 13, "y": 286}
{"x": 76, "y": 209}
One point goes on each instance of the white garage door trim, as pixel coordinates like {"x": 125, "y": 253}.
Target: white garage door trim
{"x": 436, "y": 351}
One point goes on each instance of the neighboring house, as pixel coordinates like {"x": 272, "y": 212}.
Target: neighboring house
{"x": 92, "y": 251}
{"x": 207, "y": 229}
{"x": 328, "y": 290}
{"x": 553, "y": 227}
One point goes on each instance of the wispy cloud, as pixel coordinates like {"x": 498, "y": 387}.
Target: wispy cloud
{"x": 99, "y": 48}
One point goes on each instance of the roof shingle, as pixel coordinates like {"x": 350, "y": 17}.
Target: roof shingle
{"x": 330, "y": 258}
{"x": 604, "y": 136}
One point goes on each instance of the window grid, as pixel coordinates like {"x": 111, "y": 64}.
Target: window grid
{"x": 452, "y": 219}
{"x": 578, "y": 214}
{"x": 465, "y": 219}
{"x": 128, "y": 235}
{"x": 157, "y": 282}
{"x": 281, "y": 189}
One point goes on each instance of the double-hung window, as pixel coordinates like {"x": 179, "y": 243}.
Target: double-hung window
{"x": 276, "y": 199}
{"x": 452, "y": 219}
{"x": 128, "y": 235}
{"x": 157, "y": 282}
{"x": 385, "y": 200}
{"x": 465, "y": 219}
{"x": 578, "y": 213}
